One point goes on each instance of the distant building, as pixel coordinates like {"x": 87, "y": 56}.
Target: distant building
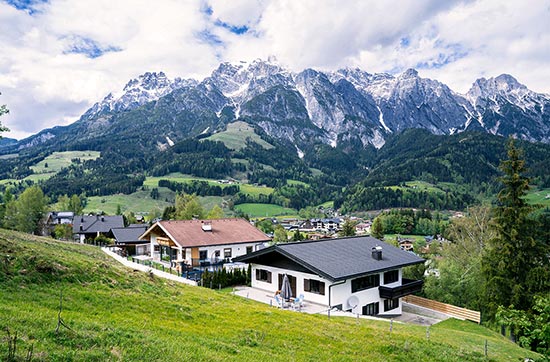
{"x": 88, "y": 227}
{"x": 128, "y": 240}
{"x": 60, "y": 218}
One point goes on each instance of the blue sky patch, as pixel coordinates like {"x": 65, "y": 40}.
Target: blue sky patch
{"x": 89, "y": 47}
{"x": 208, "y": 37}
{"x": 27, "y": 5}
{"x": 235, "y": 29}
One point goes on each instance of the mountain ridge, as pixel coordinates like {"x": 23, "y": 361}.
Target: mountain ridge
{"x": 307, "y": 107}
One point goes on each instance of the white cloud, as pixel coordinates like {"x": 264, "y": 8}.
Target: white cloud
{"x": 455, "y": 42}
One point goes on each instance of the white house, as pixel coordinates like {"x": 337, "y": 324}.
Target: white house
{"x": 196, "y": 242}
{"x": 358, "y": 274}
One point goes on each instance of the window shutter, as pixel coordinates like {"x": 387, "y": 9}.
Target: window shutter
{"x": 306, "y": 285}
{"x": 321, "y": 288}
{"x": 257, "y": 274}
{"x": 269, "y": 277}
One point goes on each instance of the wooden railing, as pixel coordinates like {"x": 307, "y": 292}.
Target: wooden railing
{"x": 454, "y": 311}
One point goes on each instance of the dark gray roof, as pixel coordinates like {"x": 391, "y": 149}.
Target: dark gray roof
{"x": 129, "y": 234}
{"x": 338, "y": 259}
{"x": 96, "y": 223}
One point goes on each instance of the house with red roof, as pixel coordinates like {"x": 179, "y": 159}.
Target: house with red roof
{"x": 199, "y": 242}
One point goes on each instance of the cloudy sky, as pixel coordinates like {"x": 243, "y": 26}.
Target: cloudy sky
{"x": 58, "y": 57}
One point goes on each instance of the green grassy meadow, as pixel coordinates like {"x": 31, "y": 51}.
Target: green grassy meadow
{"x": 265, "y": 210}
{"x": 52, "y": 164}
{"x": 115, "y": 314}
{"x": 138, "y": 202}
{"x": 539, "y": 197}
{"x": 236, "y": 134}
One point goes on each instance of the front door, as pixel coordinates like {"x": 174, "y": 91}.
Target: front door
{"x": 292, "y": 281}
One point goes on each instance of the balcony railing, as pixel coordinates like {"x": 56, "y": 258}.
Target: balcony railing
{"x": 408, "y": 286}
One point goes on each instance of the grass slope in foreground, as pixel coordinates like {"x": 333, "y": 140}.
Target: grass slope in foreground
{"x": 116, "y": 314}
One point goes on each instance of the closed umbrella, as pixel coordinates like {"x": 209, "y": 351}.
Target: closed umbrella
{"x": 286, "y": 290}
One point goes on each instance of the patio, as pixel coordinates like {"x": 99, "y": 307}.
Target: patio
{"x": 411, "y": 314}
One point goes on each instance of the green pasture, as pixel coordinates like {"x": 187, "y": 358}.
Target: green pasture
{"x": 236, "y": 135}
{"x": 539, "y": 197}
{"x": 113, "y": 313}
{"x": 265, "y": 210}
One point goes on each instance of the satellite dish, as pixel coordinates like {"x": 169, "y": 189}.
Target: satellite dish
{"x": 352, "y": 302}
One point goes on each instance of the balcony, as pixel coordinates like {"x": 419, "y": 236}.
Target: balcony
{"x": 408, "y": 286}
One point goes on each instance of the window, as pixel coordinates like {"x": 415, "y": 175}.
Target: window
{"x": 248, "y": 249}
{"x": 263, "y": 275}
{"x": 370, "y": 281}
{"x": 203, "y": 254}
{"x": 314, "y": 286}
{"x": 371, "y": 309}
{"x": 227, "y": 253}
{"x": 390, "y": 304}
{"x": 391, "y": 276}
{"x": 217, "y": 253}
{"x": 156, "y": 248}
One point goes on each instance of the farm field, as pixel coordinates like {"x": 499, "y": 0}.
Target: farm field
{"x": 138, "y": 202}
{"x": 169, "y": 321}
{"x": 265, "y": 210}
{"x": 178, "y": 177}
{"x": 52, "y": 164}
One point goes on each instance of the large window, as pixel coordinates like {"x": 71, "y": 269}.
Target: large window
{"x": 390, "y": 304}
{"x": 391, "y": 276}
{"x": 371, "y": 309}
{"x": 263, "y": 275}
{"x": 314, "y": 286}
{"x": 203, "y": 254}
{"x": 370, "y": 281}
{"x": 227, "y": 253}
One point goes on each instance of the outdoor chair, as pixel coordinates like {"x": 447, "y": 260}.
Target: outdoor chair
{"x": 279, "y": 301}
{"x": 298, "y": 303}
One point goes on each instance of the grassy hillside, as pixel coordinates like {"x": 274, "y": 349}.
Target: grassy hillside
{"x": 116, "y": 314}
{"x": 265, "y": 210}
{"x": 236, "y": 135}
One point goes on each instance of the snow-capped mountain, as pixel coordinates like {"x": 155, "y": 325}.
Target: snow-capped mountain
{"x": 347, "y": 107}
{"x": 146, "y": 88}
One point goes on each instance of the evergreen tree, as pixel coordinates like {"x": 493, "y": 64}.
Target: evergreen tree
{"x": 348, "y": 228}
{"x": 515, "y": 263}
{"x": 377, "y": 229}
{"x": 297, "y": 236}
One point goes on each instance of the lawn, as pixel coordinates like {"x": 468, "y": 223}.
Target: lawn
{"x": 112, "y": 313}
{"x": 237, "y": 134}
{"x": 265, "y": 210}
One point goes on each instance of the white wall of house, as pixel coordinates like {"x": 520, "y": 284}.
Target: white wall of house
{"x": 340, "y": 291}
{"x": 236, "y": 250}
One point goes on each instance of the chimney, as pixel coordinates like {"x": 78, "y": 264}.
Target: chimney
{"x": 377, "y": 253}
{"x": 206, "y": 226}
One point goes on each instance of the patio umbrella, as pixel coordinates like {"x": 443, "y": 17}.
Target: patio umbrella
{"x": 286, "y": 290}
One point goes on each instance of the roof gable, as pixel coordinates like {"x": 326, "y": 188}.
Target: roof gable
{"x": 339, "y": 259}
{"x": 96, "y": 223}
{"x": 129, "y": 234}
{"x": 196, "y": 233}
